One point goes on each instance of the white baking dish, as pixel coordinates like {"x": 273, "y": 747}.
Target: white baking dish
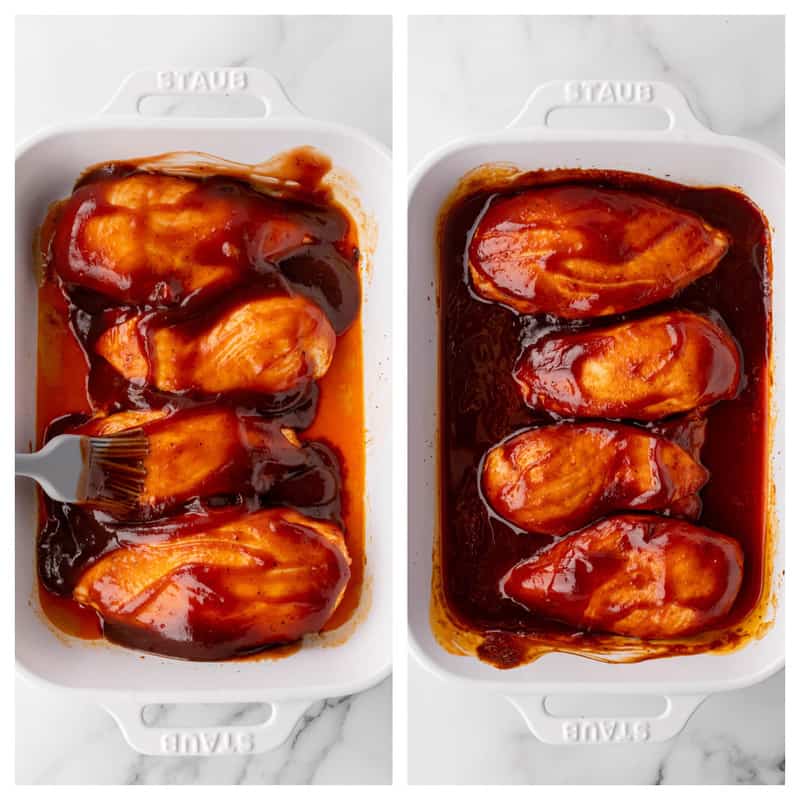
{"x": 124, "y": 680}
{"x": 685, "y": 152}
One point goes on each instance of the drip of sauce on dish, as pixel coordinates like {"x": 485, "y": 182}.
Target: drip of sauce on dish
{"x": 481, "y": 405}
{"x": 324, "y": 480}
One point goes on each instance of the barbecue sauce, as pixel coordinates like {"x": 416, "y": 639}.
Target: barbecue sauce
{"x": 481, "y": 405}
{"x": 325, "y": 479}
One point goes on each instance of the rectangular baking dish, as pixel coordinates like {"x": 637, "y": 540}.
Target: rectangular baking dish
{"x": 686, "y": 152}
{"x": 124, "y": 680}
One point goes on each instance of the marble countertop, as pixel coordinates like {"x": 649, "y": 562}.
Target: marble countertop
{"x": 459, "y": 736}
{"x": 68, "y": 68}
{"x": 470, "y": 75}
{"x": 466, "y": 75}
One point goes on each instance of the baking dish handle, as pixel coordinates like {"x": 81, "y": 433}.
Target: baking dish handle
{"x": 553, "y": 729}
{"x": 221, "y": 82}
{"x": 212, "y": 741}
{"x": 609, "y": 94}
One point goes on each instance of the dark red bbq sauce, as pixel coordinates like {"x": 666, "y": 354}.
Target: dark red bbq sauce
{"x": 480, "y": 404}
{"x": 323, "y": 479}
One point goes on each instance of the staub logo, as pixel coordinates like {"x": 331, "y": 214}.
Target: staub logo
{"x": 610, "y": 92}
{"x": 605, "y": 731}
{"x": 203, "y": 80}
{"x": 205, "y": 743}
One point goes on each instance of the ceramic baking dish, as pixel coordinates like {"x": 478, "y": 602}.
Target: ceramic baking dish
{"x": 124, "y": 680}
{"x": 683, "y": 151}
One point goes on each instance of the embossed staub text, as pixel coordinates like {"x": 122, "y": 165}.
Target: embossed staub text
{"x": 610, "y": 92}
{"x": 202, "y": 80}
{"x": 206, "y": 743}
{"x": 605, "y": 731}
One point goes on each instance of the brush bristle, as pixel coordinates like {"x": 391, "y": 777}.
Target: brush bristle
{"x": 117, "y": 470}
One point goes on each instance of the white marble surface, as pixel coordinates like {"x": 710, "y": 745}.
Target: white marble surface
{"x": 343, "y": 741}
{"x": 472, "y": 75}
{"x": 458, "y": 736}
{"x": 67, "y": 68}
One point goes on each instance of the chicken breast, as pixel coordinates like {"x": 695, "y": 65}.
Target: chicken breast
{"x": 268, "y": 345}
{"x": 579, "y": 251}
{"x": 557, "y": 478}
{"x": 644, "y": 369}
{"x": 215, "y": 451}
{"x": 158, "y": 239}
{"x": 643, "y": 576}
{"x": 215, "y": 588}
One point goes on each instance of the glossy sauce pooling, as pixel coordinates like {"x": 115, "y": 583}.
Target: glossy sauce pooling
{"x": 480, "y": 405}
{"x": 250, "y": 464}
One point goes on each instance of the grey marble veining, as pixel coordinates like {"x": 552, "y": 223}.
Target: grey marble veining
{"x": 470, "y": 75}
{"x": 67, "y": 69}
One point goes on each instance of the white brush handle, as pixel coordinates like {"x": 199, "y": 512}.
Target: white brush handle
{"x": 56, "y": 467}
